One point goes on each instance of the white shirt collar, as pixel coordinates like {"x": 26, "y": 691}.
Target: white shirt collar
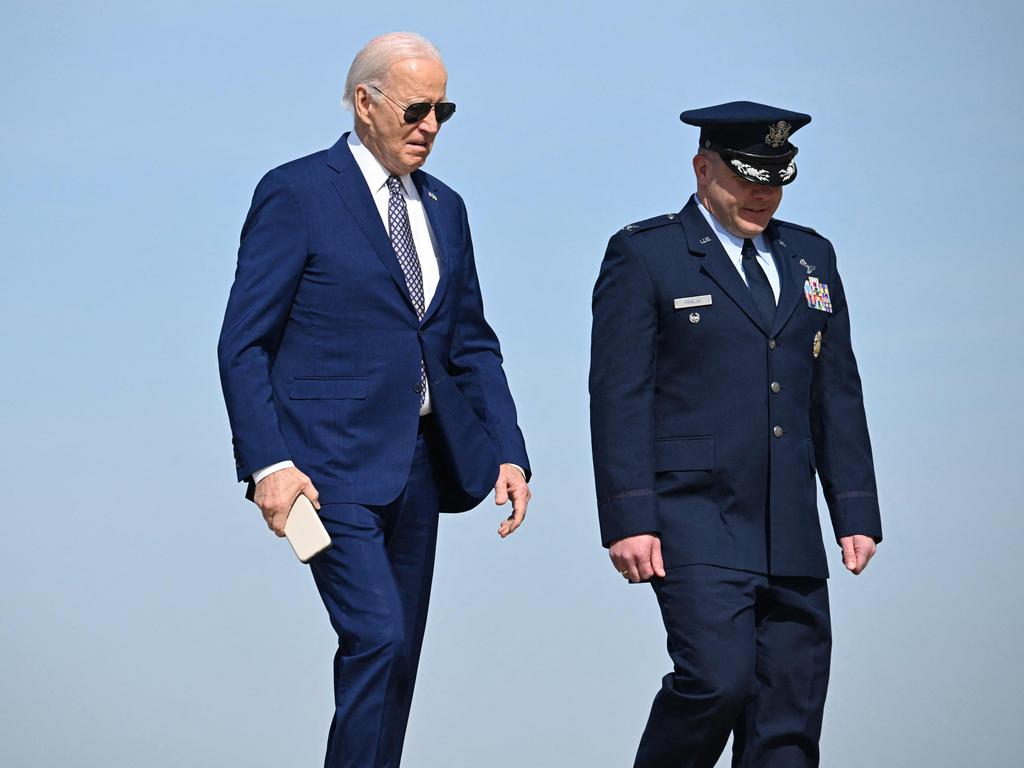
{"x": 374, "y": 172}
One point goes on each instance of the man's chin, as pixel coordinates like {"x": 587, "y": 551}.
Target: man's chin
{"x": 415, "y": 159}
{"x": 752, "y": 228}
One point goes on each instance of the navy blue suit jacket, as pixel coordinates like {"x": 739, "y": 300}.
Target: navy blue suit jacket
{"x": 320, "y": 348}
{"x": 683, "y": 414}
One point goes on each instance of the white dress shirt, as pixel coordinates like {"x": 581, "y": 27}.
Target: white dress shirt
{"x": 734, "y": 250}
{"x": 376, "y": 176}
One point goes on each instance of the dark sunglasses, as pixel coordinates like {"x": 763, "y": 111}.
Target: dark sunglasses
{"x": 414, "y": 113}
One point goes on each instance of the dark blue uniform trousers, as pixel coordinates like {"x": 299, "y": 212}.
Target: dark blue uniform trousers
{"x": 751, "y": 655}
{"x": 375, "y": 583}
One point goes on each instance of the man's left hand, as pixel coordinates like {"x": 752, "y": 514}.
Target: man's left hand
{"x": 511, "y": 484}
{"x": 857, "y": 551}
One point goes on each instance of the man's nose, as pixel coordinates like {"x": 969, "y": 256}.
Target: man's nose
{"x": 429, "y": 123}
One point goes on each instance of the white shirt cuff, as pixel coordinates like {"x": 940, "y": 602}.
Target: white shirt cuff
{"x": 521, "y": 470}
{"x": 259, "y": 474}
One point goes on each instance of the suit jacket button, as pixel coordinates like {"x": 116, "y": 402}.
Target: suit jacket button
{"x": 776, "y": 388}
{"x": 777, "y": 431}
{"x": 417, "y": 388}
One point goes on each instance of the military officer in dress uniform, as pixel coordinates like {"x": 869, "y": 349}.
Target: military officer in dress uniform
{"x": 722, "y": 380}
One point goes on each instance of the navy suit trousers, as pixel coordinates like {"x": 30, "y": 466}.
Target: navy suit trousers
{"x": 375, "y": 583}
{"x": 751, "y": 655}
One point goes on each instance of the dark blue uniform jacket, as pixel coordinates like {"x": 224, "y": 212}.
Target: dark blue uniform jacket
{"x": 709, "y": 433}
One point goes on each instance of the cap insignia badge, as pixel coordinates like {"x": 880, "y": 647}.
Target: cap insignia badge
{"x": 778, "y": 134}
{"x": 816, "y": 347}
{"x": 787, "y": 173}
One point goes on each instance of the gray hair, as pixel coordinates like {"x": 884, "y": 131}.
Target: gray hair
{"x": 371, "y": 65}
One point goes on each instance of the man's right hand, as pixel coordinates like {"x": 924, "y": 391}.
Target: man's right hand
{"x": 276, "y": 493}
{"x": 638, "y": 558}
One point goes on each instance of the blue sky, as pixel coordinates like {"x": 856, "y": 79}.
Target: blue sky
{"x": 148, "y": 617}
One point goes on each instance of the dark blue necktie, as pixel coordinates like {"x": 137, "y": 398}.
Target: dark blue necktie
{"x": 757, "y": 282}
{"x": 408, "y": 259}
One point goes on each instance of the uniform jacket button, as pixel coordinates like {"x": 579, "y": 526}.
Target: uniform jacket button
{"x": 777, "y": 431}
{"x": 776, "y": 388}
{"x": 771, "y": 343}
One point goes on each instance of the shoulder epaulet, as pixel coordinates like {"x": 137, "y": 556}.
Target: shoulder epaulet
{"x": 656, "y": 221}
{"x": 791, "y": 225}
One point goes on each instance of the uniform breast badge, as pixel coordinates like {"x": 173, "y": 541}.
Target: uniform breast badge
{"x": 816, "y": 293}
{"x": 816, "y": 346}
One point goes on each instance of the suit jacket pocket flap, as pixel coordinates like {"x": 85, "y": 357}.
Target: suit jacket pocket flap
{"x": 327, "y": 388}
{"x": 680, "y": 454}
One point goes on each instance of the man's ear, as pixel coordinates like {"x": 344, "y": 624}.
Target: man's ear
{"x": 700, "y": 167}
{"x": 361, "y": 103}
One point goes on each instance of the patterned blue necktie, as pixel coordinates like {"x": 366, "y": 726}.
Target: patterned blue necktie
{"x": 408, "y": 259}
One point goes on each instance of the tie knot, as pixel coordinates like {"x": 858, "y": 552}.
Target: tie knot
{"x": 395, "y": 185}
{"x": 749, "y": 249}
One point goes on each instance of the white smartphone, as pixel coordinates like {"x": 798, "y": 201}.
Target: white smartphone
{"x": 304, "y": 530}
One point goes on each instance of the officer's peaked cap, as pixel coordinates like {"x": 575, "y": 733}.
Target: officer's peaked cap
{"x": 753, "y": 139}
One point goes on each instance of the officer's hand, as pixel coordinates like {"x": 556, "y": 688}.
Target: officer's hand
{"x": 511, "y": 485}
{"x": 638, "y": 558}
{"x": 276, "y": 493}
{"x": 857, "y": 551}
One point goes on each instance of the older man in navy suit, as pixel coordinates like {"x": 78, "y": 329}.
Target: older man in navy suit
{"x": 722, "y": 378}
{"x": 358, "y": 369}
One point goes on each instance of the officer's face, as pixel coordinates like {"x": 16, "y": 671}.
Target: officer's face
{"x": 401, "y": 147}
{"x": 742, "y": 207}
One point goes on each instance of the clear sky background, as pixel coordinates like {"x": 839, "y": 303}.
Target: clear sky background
{"x": 148, "y": 618}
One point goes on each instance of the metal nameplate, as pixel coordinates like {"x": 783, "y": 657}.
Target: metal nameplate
{"x": 692, "y": 301}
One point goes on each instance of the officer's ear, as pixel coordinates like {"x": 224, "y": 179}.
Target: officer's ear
{"x": 701, "y": 168}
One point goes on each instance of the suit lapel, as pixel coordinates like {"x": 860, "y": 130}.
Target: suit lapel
{"x": 703, "y": 242}
{"x": 791, "y": 277}
{"x": 351, "y": 186}
{"x": 431, "y": 199}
